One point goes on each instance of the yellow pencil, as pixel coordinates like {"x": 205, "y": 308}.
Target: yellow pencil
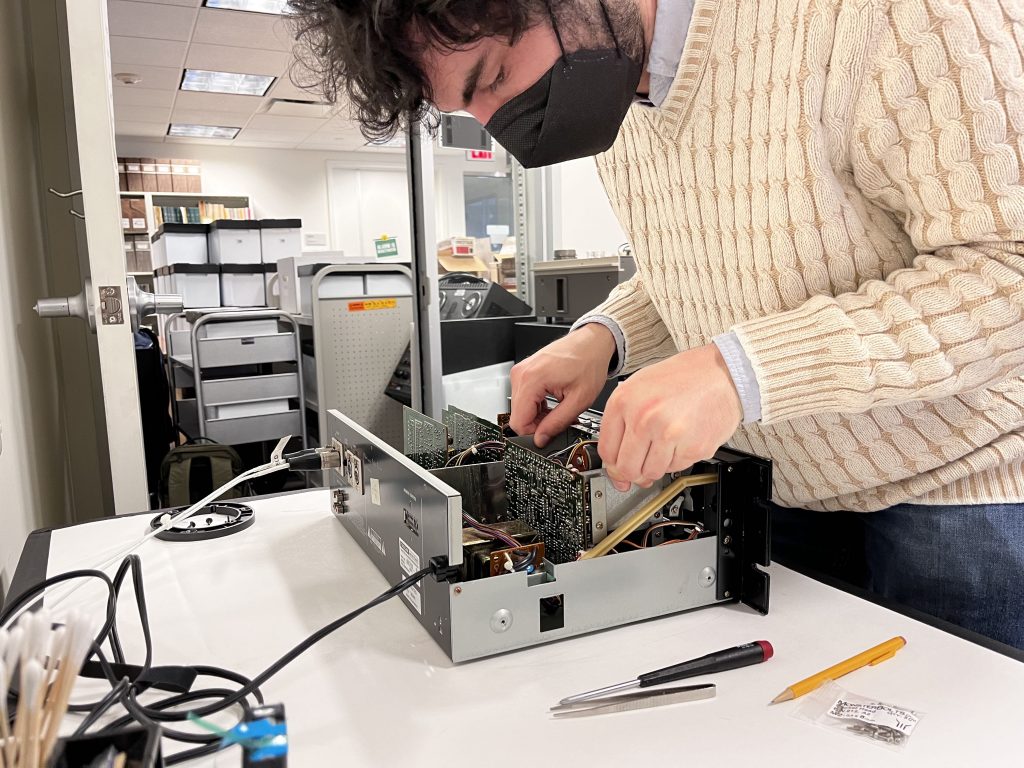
{"x": 870, "y": 657}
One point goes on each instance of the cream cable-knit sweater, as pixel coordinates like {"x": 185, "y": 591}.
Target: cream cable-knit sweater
{"x": 841, "y": 182}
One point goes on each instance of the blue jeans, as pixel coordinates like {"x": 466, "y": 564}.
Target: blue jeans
{"x": 961, "y": 563}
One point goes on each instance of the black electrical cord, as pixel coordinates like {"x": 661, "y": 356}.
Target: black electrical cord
{"x": 125, "y": 689}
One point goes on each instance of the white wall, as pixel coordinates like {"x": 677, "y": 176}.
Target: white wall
{"x": 288, "y": 183}
{"x": 583, "y": 217}
{"x": 31, "y": 457}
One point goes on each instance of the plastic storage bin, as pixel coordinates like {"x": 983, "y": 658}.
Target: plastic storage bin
{"x": 234, "y": 242}
{"x": 197, "y": 284}
{"x": 180, "y": 244}
{"x": 280, "y": 239}
{"x": 243, "y": 285}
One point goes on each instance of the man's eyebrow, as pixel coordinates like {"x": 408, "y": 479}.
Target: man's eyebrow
{"x": 473, "y": 80}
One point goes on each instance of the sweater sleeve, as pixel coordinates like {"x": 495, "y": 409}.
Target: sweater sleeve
{"x": 646, "y": 339}
{"x": 938, "y": 142}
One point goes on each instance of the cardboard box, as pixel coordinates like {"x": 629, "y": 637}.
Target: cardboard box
{"x": 149, "y": 174}
{"x": 126, "y": 213}
{"x": 138, "y": 209}
{"x": 129, "y": 254}
{"x": 122, "y": 175}
{"x": 133, "y": 169}
{"x": 143, "y": 254}
{"x": 179, "y": 176}
{"x": 163, "y": 175}
{"x": 194, "y": 179}
{"x": 462, "y": 254}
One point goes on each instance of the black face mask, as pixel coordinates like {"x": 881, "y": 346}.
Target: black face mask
{"x": 574, "y": 110}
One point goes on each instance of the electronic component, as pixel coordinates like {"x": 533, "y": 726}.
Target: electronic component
{"x": 549, "y": 497}
{"x": 558, "y": 497}
{"x": 425, "y": 440}
{"x": 466, "y": 429}
{"x": 484, "y": 556}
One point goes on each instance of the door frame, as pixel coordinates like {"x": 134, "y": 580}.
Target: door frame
{"x": 92, "y": 93}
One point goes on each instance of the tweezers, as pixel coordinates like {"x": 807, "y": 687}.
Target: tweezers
{"x": 640, "y": 700}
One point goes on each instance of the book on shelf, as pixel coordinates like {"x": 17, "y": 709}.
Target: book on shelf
{"x": 204, "y": 213}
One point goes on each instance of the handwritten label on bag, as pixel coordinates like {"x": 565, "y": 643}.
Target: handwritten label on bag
{"x": 875, "y": 713}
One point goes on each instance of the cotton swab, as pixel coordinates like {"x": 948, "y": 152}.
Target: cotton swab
{"x": 47, "y": 661}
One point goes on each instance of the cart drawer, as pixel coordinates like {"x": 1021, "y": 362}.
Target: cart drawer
{"x": 247, "y": 350}
{"x": 253, "y": 429}
{"x": 249, "y": 388}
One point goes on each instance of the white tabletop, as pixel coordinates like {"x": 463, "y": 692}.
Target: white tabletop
{"x": 379, "y": 692}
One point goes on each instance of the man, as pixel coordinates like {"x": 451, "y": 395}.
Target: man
{"x": 826, "y": 204}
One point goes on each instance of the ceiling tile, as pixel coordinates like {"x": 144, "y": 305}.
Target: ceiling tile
{"x": 152, "y": 20}
{"x": 218, "y": 102}
{"x": 290, "y": 86}
{"x": 275, "y": 123}
{"x": 245, "y": 30}
{"x": 294, "y": 137}
{"x": 223, "y": 58}
{"x": 157, "y": 78}
{"x": 188, "y": 3}
{"x": 140, "y": 129}
{"x": 206, "y": 117}
{"x": 141, "y": 50}
{"x": 266, "y": 144}
{"x": 135, "y": 114}
{"x": 138, "y": 96}
{"x": 346, "y": 144}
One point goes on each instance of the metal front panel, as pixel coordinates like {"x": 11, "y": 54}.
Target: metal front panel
{"x": 502, "y": 613}
{"x": 356, "y": 353}
{"x": 403, "y": 517}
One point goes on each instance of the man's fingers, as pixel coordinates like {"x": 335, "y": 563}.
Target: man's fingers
{"x": 628, "y": 465}
{"x": 528, "y": 409}
{"x": 612, "y": 430}
{"x": 657, "y": 463}
{"x": 559, "y": 418}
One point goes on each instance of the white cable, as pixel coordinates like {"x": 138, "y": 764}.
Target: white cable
{"x": 168, "y": 521}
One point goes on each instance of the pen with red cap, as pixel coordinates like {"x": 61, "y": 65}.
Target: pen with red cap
{"x": 719, "y": 661}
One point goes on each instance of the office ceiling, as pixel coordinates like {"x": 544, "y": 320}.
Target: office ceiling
{"x": 156, "y": 39}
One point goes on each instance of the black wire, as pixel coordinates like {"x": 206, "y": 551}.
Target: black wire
{"x": 125, "y": 690}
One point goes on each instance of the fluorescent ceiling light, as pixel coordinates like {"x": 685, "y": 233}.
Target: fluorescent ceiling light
{"x": 202, "y": 131}
{"x": 255, "y": 6}
{"x": 225, "y": 82}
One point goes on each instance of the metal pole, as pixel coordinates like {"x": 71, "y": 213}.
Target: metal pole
{"x": 426, "y": 356}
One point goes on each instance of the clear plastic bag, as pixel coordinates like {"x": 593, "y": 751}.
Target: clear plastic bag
{"x": 835, "y": 708}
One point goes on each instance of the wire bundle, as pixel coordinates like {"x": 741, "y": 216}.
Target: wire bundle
{"x": 459, "y": 458}
{"x": 40, "y": 662}
{"x": 525, "y": 563}
{"x": 127, "y": 682}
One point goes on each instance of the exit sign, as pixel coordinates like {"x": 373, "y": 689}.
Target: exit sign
{"x": 479, "y": 154}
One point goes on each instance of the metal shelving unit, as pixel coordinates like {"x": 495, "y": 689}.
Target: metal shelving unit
{"x": 235, "y": 363}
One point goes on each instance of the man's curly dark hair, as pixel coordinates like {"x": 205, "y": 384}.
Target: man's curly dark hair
{"x": 370, "y": 50}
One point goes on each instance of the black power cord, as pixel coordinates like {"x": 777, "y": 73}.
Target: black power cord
{"x": 128, "y": 681}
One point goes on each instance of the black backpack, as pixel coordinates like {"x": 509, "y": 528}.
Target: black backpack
{"x": 192, "y": 471}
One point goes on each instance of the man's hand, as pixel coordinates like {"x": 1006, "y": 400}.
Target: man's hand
{"x": 668, "y": 416}
{"x": 573, "y": 370}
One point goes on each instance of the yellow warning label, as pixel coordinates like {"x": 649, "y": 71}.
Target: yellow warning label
{"x": 363, "y": 306}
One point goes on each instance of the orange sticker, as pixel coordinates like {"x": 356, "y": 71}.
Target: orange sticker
{"x": 363, "y": 306}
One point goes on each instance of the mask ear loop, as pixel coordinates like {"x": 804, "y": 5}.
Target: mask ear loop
{"x": 611, "y": 28}
{"x": 554, "y": 26}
